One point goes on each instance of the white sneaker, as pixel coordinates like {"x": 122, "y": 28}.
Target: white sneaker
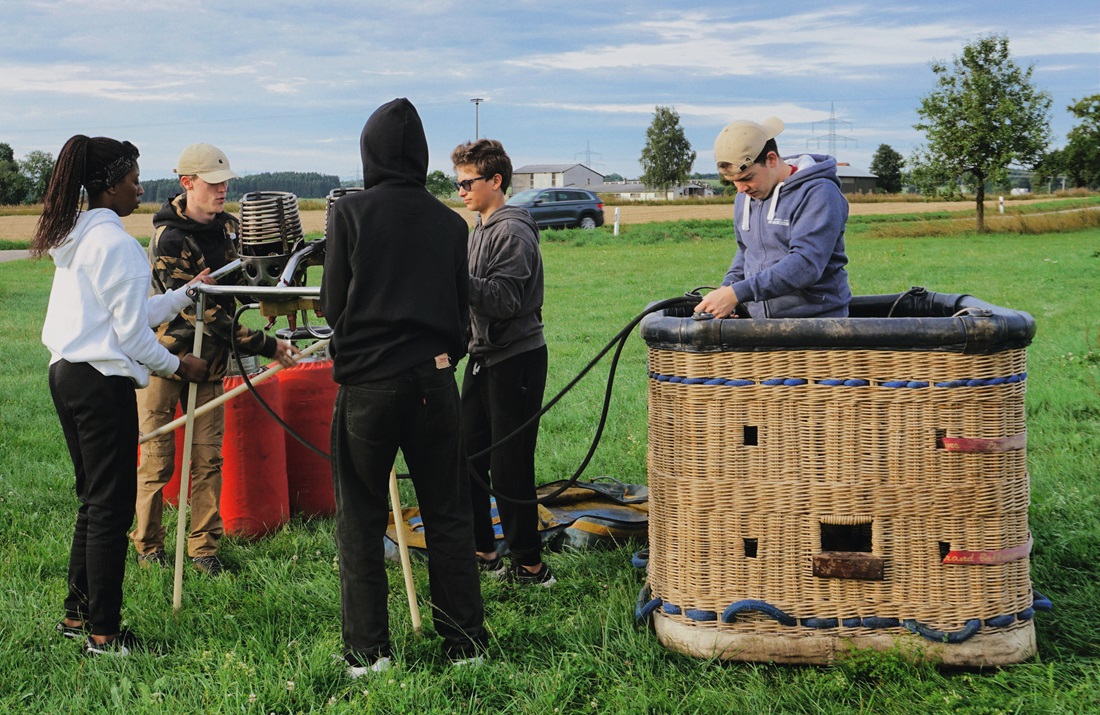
{"x": 474, "y": 661}
{"x": 381, "y": 665}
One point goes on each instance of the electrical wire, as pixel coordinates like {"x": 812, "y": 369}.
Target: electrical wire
{"x": 618, "y": 342}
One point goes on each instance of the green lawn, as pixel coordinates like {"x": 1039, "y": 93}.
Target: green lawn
{"x": 261, "y": 639}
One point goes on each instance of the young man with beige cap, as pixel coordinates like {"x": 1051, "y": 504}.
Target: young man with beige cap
{"x": 192, "y": 232}
{"x": 788, "y": 218}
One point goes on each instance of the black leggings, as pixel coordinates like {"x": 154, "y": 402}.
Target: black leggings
{"x": 99, "y": 419}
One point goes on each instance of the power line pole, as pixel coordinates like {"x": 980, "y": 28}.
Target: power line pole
{"x": 832, "y": 136}
{"x": 477, "y": 103}
{"x": 587, "y": 153}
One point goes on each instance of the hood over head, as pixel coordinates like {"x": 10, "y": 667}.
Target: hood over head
{"x": 393, "y": 145}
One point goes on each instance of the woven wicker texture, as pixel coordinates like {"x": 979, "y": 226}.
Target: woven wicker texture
{"x": 740, "y": 466}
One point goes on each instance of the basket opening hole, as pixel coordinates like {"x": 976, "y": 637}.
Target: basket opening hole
{"x": 750, "y": 548}
{"x": 750, "y": 436}
{"x": 945, "y": 549}
{"x": 846, "y": 537}
{"x": 940, "y": 434}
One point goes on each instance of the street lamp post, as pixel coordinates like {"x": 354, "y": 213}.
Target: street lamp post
{"x": 477, "y": 103}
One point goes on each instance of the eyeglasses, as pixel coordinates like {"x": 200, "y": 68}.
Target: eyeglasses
{"x": 468, "y": 183}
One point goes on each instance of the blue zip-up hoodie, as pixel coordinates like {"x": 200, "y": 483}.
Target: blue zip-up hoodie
{"x": 790, "y": 246}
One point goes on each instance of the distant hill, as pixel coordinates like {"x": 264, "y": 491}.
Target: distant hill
{"x": 304, "y": 185}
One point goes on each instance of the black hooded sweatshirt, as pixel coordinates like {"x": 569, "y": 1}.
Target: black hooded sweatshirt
{"x": 396, "y": 284}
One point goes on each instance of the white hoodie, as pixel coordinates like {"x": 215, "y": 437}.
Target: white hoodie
{"x": 100, "y": 311}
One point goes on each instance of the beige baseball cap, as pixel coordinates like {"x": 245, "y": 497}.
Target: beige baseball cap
{"x": 742, "y": 141}
{"x": 206, "y": 161}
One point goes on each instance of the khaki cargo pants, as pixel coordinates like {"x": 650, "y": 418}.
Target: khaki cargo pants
{"x": 157, "y": 407}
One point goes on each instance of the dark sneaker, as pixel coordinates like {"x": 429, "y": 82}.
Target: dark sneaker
{"x": 73, "y": 631}
{"x": 121, "y": 645}
{"x": 153, "y": 559}
{"x": 494, "y": 566}
{"x": 543, "y": 577}
{"x": 209, "y": 565}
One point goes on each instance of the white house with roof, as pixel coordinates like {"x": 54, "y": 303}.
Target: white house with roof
{"x": 544, "y": 176}
{"x": 637, "y": 191}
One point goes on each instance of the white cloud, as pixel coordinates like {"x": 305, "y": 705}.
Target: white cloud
{"x": 846, "y": 40}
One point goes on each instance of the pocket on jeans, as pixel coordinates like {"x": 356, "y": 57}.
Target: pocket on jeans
{"x": 366, "y": 410}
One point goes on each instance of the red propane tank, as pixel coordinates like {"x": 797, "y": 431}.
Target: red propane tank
{"x": 309, "y": 394}
{"x": 254, "y": 487}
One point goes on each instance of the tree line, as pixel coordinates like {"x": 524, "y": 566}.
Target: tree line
{"x": 304, "y": 185}
{"x": 25, "y": 181}
{"x": 984, "y": 117}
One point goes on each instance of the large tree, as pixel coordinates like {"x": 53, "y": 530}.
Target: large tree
{"x": 37, "y": 166}
{"x": 984, "y": 116}
{"x": 13, "y": 184}
{"x": 1082, "y": 153}
{"x": 667, "y": 157}
{"x": 440, "y": 185}
{"x": 887, "y": 165}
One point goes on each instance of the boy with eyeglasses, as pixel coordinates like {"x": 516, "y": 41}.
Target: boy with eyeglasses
{"x": 506, "y": 374}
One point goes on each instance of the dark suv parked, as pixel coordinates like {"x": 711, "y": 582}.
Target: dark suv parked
{"x": 561, "y": 207}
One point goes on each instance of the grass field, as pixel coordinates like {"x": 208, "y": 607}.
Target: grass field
{"x": 260, "y": 640}
{"x": 17, "y": 222}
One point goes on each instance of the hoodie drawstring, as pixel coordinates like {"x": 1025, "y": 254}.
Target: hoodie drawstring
{"x": 775, "y": 200}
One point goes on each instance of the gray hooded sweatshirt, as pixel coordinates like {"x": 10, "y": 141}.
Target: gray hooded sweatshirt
{"x": 506, "y": 285}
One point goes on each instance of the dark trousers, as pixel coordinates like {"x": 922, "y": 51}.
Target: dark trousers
{"x": 99, "y": 419}
{"x": 417, "y": 412}
{"x": 495, "y": 401}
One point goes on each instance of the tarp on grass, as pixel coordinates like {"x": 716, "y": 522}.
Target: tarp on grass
{"x": 596, "y": 514}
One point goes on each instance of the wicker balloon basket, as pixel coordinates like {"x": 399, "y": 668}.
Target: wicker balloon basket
{"x": 824, "y": 484}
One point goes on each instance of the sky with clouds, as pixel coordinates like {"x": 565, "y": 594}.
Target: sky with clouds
{"x": 287, "y": 86}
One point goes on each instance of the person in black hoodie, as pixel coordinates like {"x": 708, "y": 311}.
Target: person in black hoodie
{"x": 395, "y": 291}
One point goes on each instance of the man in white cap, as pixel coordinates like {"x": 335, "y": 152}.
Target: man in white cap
{"x": 788, "y": 218}
{"x": 192, "y": 232}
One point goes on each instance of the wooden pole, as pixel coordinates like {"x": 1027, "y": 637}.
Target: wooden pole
{"x": 269, "y": 371}
{"x": 185, "y": 468}
{"x": 403, "y": 548}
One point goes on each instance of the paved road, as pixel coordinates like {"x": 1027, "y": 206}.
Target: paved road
{"x": 12, "y": 255}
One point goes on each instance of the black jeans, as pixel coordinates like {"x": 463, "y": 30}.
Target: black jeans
{"x": 417, "y": 412}
{"x": 495, "y": 401}
{"x": 99, "y": 419}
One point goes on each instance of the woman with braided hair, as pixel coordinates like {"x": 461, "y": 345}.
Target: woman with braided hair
{"x": 98, "y": 329}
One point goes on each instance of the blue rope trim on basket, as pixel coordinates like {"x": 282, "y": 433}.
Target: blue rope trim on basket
{"x": 836, "y": 382}
{"x": 972, "y": 626}
{"x": 640, "y": 559}
{"x": 645, "y": 608}
{"x": 764, "y": 607}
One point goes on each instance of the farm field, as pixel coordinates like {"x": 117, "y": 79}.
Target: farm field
{"x": 21, "y": 228}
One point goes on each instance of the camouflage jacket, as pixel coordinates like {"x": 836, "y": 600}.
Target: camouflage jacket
{"x": 179, "y": 250}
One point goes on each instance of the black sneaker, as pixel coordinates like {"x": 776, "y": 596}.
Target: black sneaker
{"x": 494, "y": 566}
{"x": 73, "y": 631}
{"x": 543, "y": 577}
{"x": 209, "y": 565}
{"x": 153, "y": 559}
{"x": 121, "y": 645}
